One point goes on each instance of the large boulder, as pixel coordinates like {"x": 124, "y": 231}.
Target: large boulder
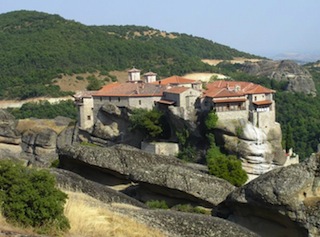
{"x": 73, "y": 182}
{"x": 113, "y": 126}
{"x": 163, "y": 174}
{"x": 282, "y": 202}
{"x": 10, "y": 137}
{"x": 8, "y": 131}
{"x": 40, "y": 144}
{"x": 298, "y": 78}
{"x": 179, "y": 224}
{"x": 259, "y": 151}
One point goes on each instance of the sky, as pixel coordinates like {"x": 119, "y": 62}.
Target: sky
{"x": 261, "y": 27}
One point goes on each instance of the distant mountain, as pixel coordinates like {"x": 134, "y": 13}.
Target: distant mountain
{"x": 300, "y": 58}
{"x": 36, "y": 47}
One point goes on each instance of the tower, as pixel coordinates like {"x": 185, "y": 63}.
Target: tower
{"x": 134, "y": 74}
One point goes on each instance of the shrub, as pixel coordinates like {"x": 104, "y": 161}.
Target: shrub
{"x": 148, "y": 121}
{"x": 156, "y": 204}
{"x": 226, "y": 167}
{"x": 30, "y": 198}
{"x": 187, "y": 151}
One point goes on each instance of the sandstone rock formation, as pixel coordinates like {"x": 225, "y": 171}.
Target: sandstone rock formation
{"x": 33, "y": 141}
{"x": 259, "y": 152}
{"x": 179, "y": 224}
{"x": 173, "y": 223}
{"x": 73, "y": 182}
{"x": 282, "y": 202}
{"x": 10, "y": 138}
{"x": 160, "y": 174}
{"x": 112, "y": 126}
{"x": 298, "y": 78}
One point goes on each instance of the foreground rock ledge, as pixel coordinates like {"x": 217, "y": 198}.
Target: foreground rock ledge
{"x": 163, "y": 173}
{"x": 282, "y": 202}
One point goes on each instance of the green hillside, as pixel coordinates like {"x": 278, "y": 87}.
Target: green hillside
{"x": 37, "y": 47}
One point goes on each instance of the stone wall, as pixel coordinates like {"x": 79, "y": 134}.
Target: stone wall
{"x": 143, "y": 102}
{"x": 161, "y": 148}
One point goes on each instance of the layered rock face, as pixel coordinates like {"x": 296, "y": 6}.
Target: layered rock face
{"x": 112, "y": 127}
{"x": 160, "y": 174}
{"x": 259, "y": 152}
{"x": 299, "y": 79}
{"x": 34, "y": 141}
{"x": 282, "y": 202}
{"x": 10, "y": 138}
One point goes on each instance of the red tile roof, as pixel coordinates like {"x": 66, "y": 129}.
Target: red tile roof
{"x": 262, "y": 102}
{"x": 223, "y": 88}
{"x": 177, "y": 90}
{"x": 175, "y": 80}
{"x": 130, "y": 90}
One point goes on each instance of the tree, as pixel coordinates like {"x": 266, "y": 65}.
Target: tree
{"x": 211, "y": 120}
{"x": 226, "y": 167}
{"x": 29, "y": 198}
{"x": 289, "y": 138}
{"x": 187, "y": 150}
{"x": 148, "y": 121}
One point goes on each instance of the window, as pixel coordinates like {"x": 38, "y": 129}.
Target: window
{"x": 109, "y": 98}
{"x": 118, "y": 99}
{"x": 100, "y": 98}
{"x": 255, "y": 98}
{"x": 139, "y": 102}
{"x": 88, "y": 117}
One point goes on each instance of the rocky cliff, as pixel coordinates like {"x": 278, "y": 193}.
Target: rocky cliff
{"x": 35, "y": 141}
{"x": 298, "y": 78}
{"x": 162, "y": 175}
{"x": 282, "y": 202}
{"x": 259, "y": 152}
{"x": 10, "y": 137}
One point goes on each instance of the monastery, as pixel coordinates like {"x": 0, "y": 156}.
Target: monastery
{"x": 229, "y": 99}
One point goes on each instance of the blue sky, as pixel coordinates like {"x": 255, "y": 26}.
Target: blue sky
{"x": 263, "y": 27}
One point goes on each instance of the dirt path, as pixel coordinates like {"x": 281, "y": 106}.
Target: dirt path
{"x": 18, "y": 103}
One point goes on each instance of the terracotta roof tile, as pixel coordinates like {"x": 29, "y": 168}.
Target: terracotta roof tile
{"x": 262, "y": 102}
{"x": 175, "y": 80}
{"x": 223, "y": 88}
{"x": 131, "y": 90}
{"x": 177, "y": 90}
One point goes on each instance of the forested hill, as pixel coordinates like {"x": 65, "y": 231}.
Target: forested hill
{"x": 36, "y": 47}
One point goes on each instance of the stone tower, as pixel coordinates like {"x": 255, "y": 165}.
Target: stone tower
{"x": 134, "y": 75}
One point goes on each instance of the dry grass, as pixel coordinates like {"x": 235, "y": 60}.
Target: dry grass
{"x": 89, "y": 217}
{"x": 38, "y": 125}
{"x": 6, "y": 227}
{"x": 205, "y": 77}
{"x": 214, "y": 62}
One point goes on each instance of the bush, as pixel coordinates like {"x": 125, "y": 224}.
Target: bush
{"x": 156, "y": 204}
{"x": 148, "y": 121}
{"x": 187, "y": 151}
{"x": 226, "y": 167}
{"x": 30, "y": 199}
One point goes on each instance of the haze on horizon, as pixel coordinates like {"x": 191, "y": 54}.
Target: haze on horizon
{"x": 266, "y": 28}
